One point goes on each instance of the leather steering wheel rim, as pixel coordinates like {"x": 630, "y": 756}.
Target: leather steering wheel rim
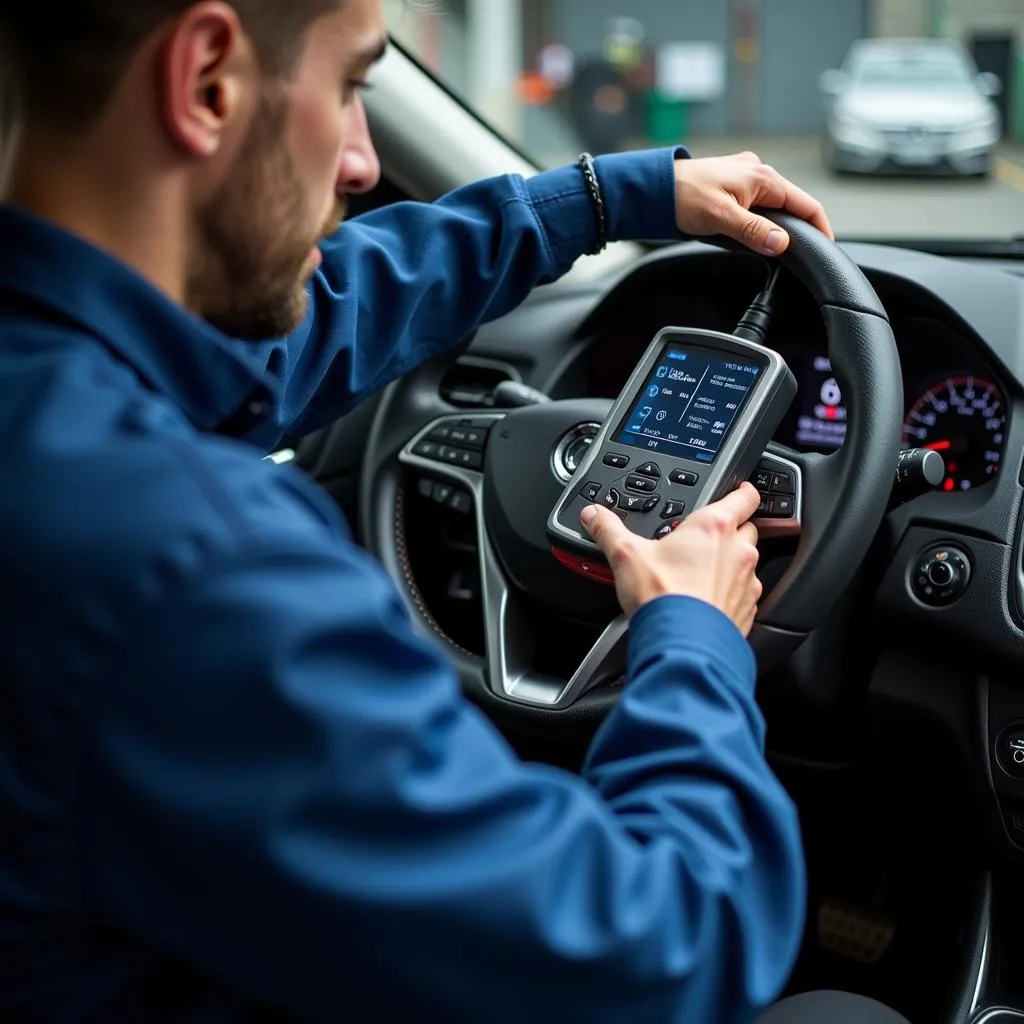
{"x": 847, "y": 492}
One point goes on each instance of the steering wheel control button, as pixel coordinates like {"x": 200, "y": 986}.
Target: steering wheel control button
{"x": 649, "y": 469}
{"x": 651, "y": 504}
{"x": 782, "y": 482}
{"x": 762, "y": 509}
{"x": 471, "y": 437}
{"x": 460, "y": 501}
{"x": 615, "y": 460}
{"x": 1010, "y": 751}
{"x": 641, "y": 483}
{"x": 762, "y": 478}
{"x": 940, "y": 576}
{"x": 449, "y": 495}
{"x": 441, "y": 433}
{"x": 632, "y": 502}
{"x": 427, "y": 449}
{"x": 780, "y": 506}
{"x": 449, "y": 453}
{"x": 682, "y": 476}
{"x": 591, "y": 491}
{"x": 672, "y": 509}
{"x": 663, "y": 531}
{"x": 457, "y": 456}
{"x": 611, "y": 499}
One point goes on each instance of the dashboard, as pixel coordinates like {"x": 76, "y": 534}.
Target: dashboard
{"x": 955, "y": 401}
{"x": 946, "y": 671}
{"x": 951, "y": 405}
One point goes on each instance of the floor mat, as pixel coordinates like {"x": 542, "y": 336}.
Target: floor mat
{"x": 885, "y": 911}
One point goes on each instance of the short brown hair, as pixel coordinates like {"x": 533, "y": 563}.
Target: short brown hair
{"x": 69, "y": 55}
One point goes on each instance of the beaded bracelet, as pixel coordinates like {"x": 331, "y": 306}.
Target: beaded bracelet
{"x": 586, "y": 165}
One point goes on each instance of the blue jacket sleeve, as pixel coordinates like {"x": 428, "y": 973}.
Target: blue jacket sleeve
{"x": 405, "y": 282}
{"x": 283, "y": 786}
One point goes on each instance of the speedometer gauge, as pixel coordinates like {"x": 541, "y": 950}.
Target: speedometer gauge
{"x": 962, "y": 418}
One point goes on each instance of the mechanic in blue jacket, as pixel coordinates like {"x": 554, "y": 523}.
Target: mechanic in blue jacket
{"x": 235, "y": 784}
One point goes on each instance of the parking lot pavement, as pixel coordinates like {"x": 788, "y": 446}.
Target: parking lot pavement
{"x": 865, "y": 207}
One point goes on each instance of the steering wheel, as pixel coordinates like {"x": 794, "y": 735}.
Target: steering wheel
{"x": 512, "y": 465}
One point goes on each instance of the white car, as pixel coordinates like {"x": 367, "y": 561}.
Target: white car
{"x": 910, "y": 105}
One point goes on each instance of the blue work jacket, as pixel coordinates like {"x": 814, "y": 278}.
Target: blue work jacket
{"x": 236, "y": 784}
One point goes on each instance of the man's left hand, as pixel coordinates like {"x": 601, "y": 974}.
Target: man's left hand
{"x": 714, "y": 196}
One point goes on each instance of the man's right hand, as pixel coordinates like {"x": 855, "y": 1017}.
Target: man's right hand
{"x": 711, "y": 556}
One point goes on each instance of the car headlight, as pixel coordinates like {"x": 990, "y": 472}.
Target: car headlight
{"x": 851, "y": 131}
{"x": 984, "y": 132}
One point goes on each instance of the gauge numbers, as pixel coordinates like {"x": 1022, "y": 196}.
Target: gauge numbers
{"x": 964, "y": 420}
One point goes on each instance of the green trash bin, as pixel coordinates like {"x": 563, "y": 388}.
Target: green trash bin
{"x": 1018, "y": 101}
{"x": 667, "y": 119}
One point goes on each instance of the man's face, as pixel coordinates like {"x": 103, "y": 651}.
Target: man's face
{"x": 308, "y": 147}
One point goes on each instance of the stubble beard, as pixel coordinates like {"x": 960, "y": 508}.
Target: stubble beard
{"x": 252, "y": 259}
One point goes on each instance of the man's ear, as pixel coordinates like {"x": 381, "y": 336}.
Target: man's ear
{"x": 209, "y": 76}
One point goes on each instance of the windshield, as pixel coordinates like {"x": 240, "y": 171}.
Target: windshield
{"x": 913, "y": 73}
{"x": 910, "y": 158}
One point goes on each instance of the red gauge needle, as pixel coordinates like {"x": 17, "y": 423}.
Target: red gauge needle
{"x": 939, "y": 446}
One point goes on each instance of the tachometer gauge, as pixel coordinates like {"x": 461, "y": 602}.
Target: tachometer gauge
{"x": 962, "y": 418}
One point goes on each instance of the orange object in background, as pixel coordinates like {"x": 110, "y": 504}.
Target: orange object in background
{"x": 532, "y": 88}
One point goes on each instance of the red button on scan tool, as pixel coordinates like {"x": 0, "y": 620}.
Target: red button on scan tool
{"x": 596, "y": 571}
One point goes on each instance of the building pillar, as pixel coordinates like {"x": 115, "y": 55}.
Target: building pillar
{"x": 900, "y": 18}
{"x": 494, "y": 41}
{"x": 941, "y": 19}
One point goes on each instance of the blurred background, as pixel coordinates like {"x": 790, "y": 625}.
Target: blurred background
{"x": 905, "y": 116}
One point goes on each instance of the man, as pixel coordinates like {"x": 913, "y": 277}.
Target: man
{"x": 235, "y": 784}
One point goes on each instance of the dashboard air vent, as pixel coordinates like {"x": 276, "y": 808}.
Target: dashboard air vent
{"x": 471, "y": 380}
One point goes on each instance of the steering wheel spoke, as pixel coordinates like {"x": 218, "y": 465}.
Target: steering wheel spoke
{"x": 509, "y": 634}
{"x": 510, "y": 648}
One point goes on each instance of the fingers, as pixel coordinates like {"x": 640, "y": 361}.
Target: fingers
{"x": 746, "y": 624}
{"x": 606, "y": 530}
{"x": 755, "y": 232}
{"x": 748, "y": 532}
{"x": 746, "y": 619}
{"x": 771, "y": 189}
{"x": 739, "y": 505}
{"x": 807, "y": 207}
{"x": 714, "y": 195}
{"x": 794, "y": 199}
{"x": 783, "y": 194}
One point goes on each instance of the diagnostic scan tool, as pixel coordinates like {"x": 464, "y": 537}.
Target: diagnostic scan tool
{"x": 690, "y": 425}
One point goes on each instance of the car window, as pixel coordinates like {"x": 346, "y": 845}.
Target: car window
{"x": 922, "y": 141}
